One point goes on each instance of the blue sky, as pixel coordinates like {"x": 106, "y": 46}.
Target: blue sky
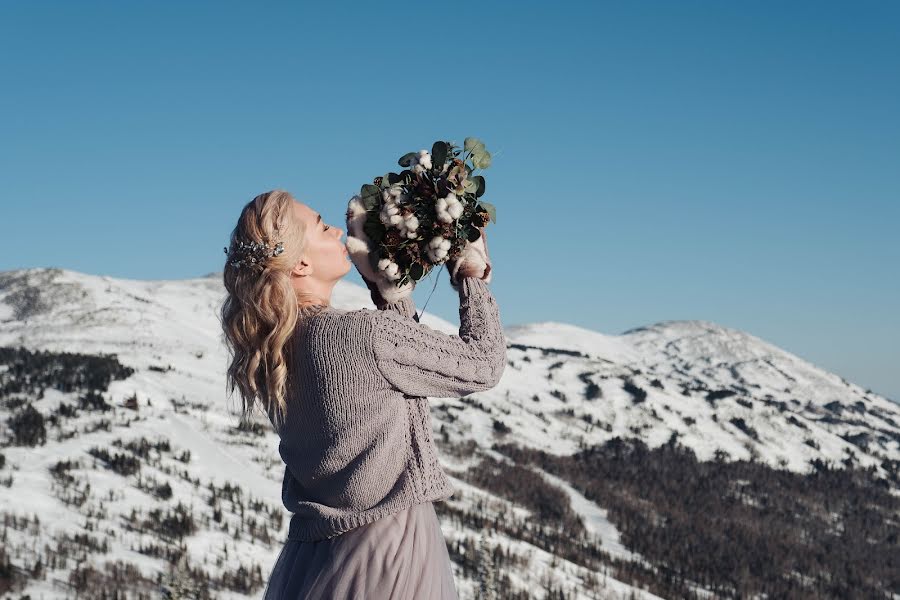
{"x": 731, "y": 162}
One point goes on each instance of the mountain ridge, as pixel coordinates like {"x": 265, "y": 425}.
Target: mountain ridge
{"x": 720, "y": 392}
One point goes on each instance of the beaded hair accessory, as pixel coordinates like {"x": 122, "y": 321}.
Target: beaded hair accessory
{"x": 252, "y": 254}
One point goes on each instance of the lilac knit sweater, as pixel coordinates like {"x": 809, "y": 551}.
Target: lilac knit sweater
{"x": 357, "y": 440}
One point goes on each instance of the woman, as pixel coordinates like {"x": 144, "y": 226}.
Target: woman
{"x": 346, "y": 390}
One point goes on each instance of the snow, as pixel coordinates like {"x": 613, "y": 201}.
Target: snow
{"x": 176, "y": 323}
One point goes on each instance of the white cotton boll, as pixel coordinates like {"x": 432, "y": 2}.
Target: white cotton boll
{"x": 424, "y": 159}
{"x": 388, "y": 213}
{"x": 390, "y": 269}
{"x": 437, "y": 249}
{"x": 396, "y": 190}
{"x": 440, "y": 208}
{"x": 418, "y": 169}
{"x": 448, "y": 208}
{"x": 412, "y": 222}
{"x": 439, "y": 243}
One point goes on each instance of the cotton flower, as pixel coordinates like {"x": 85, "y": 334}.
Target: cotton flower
{"x": 448, "y": 208}
{"x": 422, "y": 162}
{"x": 437, "y": 249}
{"x": 411, "y": 225}
{"x": 424, "y": 159}
{"x": 390, "y": 269}
{"x": 390, "y": 214}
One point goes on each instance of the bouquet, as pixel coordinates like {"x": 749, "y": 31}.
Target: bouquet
{"x": 424, "y": 215}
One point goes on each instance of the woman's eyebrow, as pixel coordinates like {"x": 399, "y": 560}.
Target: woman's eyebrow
{"x": 319, "y": 219}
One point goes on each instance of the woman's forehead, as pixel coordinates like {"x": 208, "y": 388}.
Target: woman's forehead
{"x": 306, "y": 215}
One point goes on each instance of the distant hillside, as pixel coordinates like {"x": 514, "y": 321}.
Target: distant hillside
{"x": 601, "y": 466}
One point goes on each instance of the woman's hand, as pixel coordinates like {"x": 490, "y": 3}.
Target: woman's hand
{"x": 473, "y": 261}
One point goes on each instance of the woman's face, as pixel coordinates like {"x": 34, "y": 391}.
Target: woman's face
{"x": 325, "y": 251}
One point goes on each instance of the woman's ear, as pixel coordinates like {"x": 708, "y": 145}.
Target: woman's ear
{"x": 302, "y": 269}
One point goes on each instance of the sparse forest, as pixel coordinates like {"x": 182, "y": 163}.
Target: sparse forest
{"x": 739, "y": 528}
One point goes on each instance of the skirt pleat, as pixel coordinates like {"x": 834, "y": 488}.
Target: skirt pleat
{"x": 402, "y": 556}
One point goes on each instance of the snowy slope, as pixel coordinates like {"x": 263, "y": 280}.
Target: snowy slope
{"x": 713, "y": 387}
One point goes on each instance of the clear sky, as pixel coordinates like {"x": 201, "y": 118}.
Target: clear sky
{"x": 731, "y": 162}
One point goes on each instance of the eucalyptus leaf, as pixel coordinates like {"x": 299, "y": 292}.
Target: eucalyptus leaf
{"x": 375, "y": 230}
{"x": 474, "y": 234}
{"x": 416, "y": 271}
{"x": 371, "y": 196}
{"x": 479, "y": 180}
{"x": 481, "y": 160}
{"x": 439, "y": 155}
{"x": 471, "y": 186}
{"x": 472, "y": 143}
{"x": 407, "y": 159}
{"x": 490, "y": 209}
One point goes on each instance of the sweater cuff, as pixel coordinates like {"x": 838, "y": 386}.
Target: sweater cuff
{"x": 405, "y": 306}
{"x": 472, "y": 285}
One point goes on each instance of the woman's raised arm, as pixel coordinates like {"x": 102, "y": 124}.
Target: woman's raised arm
{"x": 421, "y": 361}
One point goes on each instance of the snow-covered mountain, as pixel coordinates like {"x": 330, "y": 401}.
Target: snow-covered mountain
{"x": 718, "y": 391}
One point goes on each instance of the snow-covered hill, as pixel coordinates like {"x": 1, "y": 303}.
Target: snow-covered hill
{"x": 715, "y": 389}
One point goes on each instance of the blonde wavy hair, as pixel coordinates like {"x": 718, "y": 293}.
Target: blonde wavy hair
{"x": 261, "y": 309}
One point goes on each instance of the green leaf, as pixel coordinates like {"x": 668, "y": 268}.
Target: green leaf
{"x": 439, "y": 155}
{"x": 479, "y": 180}
{"x": 481, "y": 160}
{"x": 471, "y": 186}
{"x": 416, "y": 271}
{"x": 374, "y": 228}
{"x": 490, "y": 209}
{"x": 472, "y": 143}
{"x": 393, "y": 178}
{"x": 474, "y": 234}
{"x": 406, "y": 159}
{"x": 371, "y": 196}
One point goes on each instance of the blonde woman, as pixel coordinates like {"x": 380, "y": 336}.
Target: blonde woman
{"x": 347, "y": 391}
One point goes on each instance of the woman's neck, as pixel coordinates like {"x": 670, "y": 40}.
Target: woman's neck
{"x": 311, "y": 307}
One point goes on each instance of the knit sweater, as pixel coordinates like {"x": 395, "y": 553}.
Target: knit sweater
{"x": 357, "y": 438}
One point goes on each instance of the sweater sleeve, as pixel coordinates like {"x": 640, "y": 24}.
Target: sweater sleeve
{"x": 405, "y": 306}
{"x": 421, "y": 361}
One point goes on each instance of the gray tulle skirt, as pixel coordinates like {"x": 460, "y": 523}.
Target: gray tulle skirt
{"x": 399, "y": 557}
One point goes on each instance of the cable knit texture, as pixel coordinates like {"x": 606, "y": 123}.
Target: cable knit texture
{"x": 357, "y": 441}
